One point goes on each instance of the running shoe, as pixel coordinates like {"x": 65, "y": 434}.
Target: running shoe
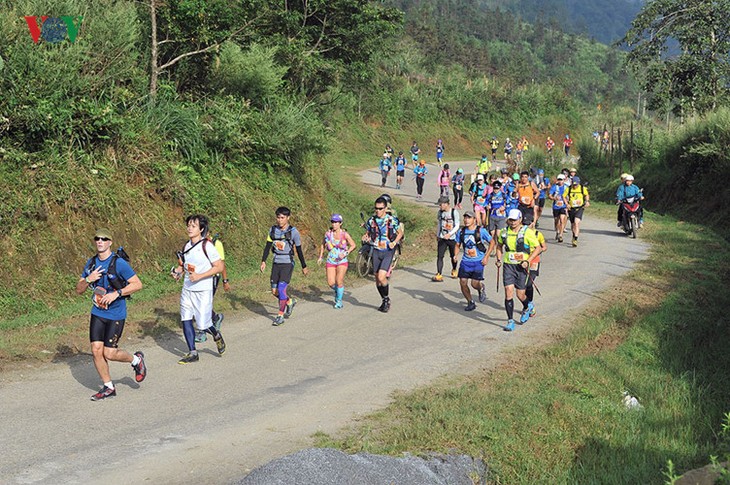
{"x": 278, "y": 320}
{"x": 140, "y": 370}
{"x": 387, "y": 305}
{"x": 221, "y": 344}
{"x": 290, "y": 307}
{"x": 526, "y": 313}
{"x": 200, "y": 336}
{"x": 533, "y": 312}
{"x": 560, "y": 239}
{"x": 189, "y": 358}
{"x": 104, "y": 393}
{"x": 437, "y": 277}
{"x": 575, "y": 242}
{"x": 471, "y": 306}
{"x": 338, "y": 304}
{"x": 454, "y": 273}
{"x": 618, "y": 224}
{"x": 218, "y": 321}
{"x": 510, "y": 326}
{"x": 482, "y": 293}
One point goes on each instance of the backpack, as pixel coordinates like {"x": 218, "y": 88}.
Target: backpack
{"x": 286, "y": 237}
{"x": 181, "y": 254}
{"x": 453, "y": 219}
{"x": 579, "y": 197}
{"x": 116, "y": 281}
{"x": 374, "y": 229}
{"x": 477, "y": 238}
{"x": 520, "y": 241}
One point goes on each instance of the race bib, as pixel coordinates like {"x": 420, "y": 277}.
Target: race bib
{"x": 279, "y": 245}
{"x": 534, "y": 266}
{"x": 471, "y": 252}
{"x": 501, "y": 211}
{"x": 458, "y": 187}
{"x": 481, "y": 200}
{"x": 386, "y": 169}
{"x": 190, "y": 268}
{"x": 577, "y": 202}
{"x": 526, "y": 200}
{"x": 99, "y": 293}
{"x": 449, "y": 225}
{"x": 382, "y": 244}
{"x": 516, "y": 257}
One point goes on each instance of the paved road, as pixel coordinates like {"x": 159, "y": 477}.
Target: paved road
{"x": 213, "y": 421}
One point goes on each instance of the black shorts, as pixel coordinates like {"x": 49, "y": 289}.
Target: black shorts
{"x": 494, "y": 150}
{"x": 528, "y": 214}
{"x": 559, "y": 212}
{"x": 574, "y": 214}
{"x": 514, "y": 274}
{"x": 105, "y": 330}
{"x": 382, "y": 260}
{"x": 281, "y": 273}
{"x": 541, "y": 202}
{"x": 400, "y": 173}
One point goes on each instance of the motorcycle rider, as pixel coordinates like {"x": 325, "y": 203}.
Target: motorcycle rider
{"x": 625, "y": 190}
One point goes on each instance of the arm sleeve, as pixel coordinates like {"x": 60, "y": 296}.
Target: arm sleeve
{"x": 267, "y": 248}
{"x": 300, "y": 254}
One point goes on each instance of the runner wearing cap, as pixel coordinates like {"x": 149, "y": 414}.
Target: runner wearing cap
{"x": 457, "y": 182}
{"x": 543, "y": 184}
{"x": 400, "y": 169}
{"x": 520, "y": 247}
{"x": 560, "y": 206}
{"x": 339, "y": 244}
{"x": 479, "y": 193}
{"x": 578, "y": 199}
{"x": 447, "y": 224}
{"x": 444, "y": 179}
{"x": 483, "y": 166}
{"x": 527, "y": 193}
{"x": 420, "y": 170}
{"x": 384, "y": 231}
{"x": 477, "y": 244}
{"x": 497, "y": 205}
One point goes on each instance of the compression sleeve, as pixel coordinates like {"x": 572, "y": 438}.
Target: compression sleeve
{"x": 267, "y": 248}
{"x": 300, "y": 253}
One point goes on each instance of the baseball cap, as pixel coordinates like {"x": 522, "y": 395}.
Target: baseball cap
{"x": 336, "y": 218}
{"x": 514, "y": 214}
{"x": 540, "y": 171}
{"x": 103, "y": 232}
{"x": 573, "y": 169}
{"x": 629, "y": 177}
{"x": 443, "y": 200}
{"x": 461, "y": 170}
{"x": 561, "y": 176}
{"x": 515, "y": 176}
{"x": 504, "y": 170}
{"x": 469, "y": 214}
{"x": 480, "y": 177}
{"x": 576, "y": 180}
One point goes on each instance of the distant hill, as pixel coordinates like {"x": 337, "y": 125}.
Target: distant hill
{"x": 604, "y": 20}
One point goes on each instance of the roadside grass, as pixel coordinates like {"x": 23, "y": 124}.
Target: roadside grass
{"x": 555, "y": 414}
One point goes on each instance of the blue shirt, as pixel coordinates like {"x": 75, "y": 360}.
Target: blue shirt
{"x": 625, "y": 191}
{"x": 385, "y": 164}
{"x": 378, "y": 228}
{"x": 118, "y": 308}
{"x": 420, "y": 171}
{"x": 469, "y": 244}
{"x": 497, "y": 204}
{"x": 560, "y": 192}
{"x": 400, "y": 164}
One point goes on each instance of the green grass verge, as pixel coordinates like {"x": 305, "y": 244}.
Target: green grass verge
{"x": 556, "y": 415}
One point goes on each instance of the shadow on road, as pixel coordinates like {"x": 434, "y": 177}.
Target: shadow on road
{"x": 603, "y": 232}
{"x": 82, "y": 369}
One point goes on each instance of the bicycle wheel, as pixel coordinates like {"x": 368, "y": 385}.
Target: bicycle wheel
{"x": 363, "y": 264}
{"x": 396, "y": 257}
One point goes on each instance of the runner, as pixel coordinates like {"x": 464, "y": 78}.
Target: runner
{"x": 440, "y": 151}
{"x": 457, "y": 182}
{"x": 472, "y": 239}
{"x": 534, "y": 273}
{"x": 527, "y": 192}
{"x": 513, "y": 199}
{"x": 628, "y": 189}
{"x": 112, "y": 280}
{"x": 578, "y": 198}
{"x": 447, "y": 224}
{"x": 483, "y": 166}
{"x": 518, "y": 154}
{"x": 549, "y": 145}
{"x": 520, "y": 247}
{"x": 508, "y": 154}
{"x": 339, "y": 244}
{"x": 199, "y": 261}
{"x": 283, "y": 239}
{"x": 400, "y": 169}
{"x": 567, "y": 143}
{"x": 385, "y": 166}
{"x": 420, "y": 170}
{"x": 494, "y": 145}
{"x": 479, "y": 193}
{"x": 560, "y": 206}
{"x": 543, "y": 183}
{"x": 415, "y": 151}
{"x": 216, "y": 318}
{"x": 384, "y": 231}
{"x": 389, "y": 150}
{"x": 497, "y": 205}
{"x": 444, "y": 181}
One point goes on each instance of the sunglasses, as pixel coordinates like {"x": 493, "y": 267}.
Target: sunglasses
{"x": 379, "y": 208}
{"x": 105, "y": 239}
{"x": 338, "y": 222}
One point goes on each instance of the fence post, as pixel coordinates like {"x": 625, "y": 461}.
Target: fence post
{"x": 610, "y": 143}
{"x": 620, "y": 153}
{"x": 631, "y": 150}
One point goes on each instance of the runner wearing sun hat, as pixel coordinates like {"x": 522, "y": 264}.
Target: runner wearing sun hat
{"x": 560, "y": 206}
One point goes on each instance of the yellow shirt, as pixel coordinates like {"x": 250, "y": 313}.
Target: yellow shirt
{"x": 576, "y": 195}
{"x": 508, "y": 238}
{"x": 219, "y": 248}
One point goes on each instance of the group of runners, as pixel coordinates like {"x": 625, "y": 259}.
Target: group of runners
{"x": 500, "y": 221}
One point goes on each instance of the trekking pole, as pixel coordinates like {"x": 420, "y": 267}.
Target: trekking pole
{"x": 529, "y": 276}
{"x": 498, "y": 267}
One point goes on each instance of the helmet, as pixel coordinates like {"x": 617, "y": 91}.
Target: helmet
{"x": 387, "y": 198}
{"x": 630, "y": 177}
{"x": 624, "y": 176}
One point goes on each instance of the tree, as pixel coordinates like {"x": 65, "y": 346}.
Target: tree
{"x": 695, "y": 77}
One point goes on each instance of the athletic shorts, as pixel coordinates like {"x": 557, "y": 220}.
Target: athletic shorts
{"x": 574, "y": 214}
{"x": 528, "y": 214}
{"x": 514, "y": 274}
{"x": 198, "y": 306}
{"x": 105, "y": 330}
{"x": 535, "y": 269}
{"x": 470, "y": 269}
{"x": 496, "y": 223}
{"x": 494, "y": 150}
{"x": 480, "y": 208}
{"x": 281, "y": 273}
{"x": 400, "y": 173}
{"x": 559, "y": 212}
{"x": 332, "y": 265}
{"x": 541, "y": 202}
{"x": 382, "y": 260}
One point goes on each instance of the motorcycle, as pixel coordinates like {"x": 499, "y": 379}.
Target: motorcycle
{"x": 630, "y": 217}
{"x": 364, "y": 261}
